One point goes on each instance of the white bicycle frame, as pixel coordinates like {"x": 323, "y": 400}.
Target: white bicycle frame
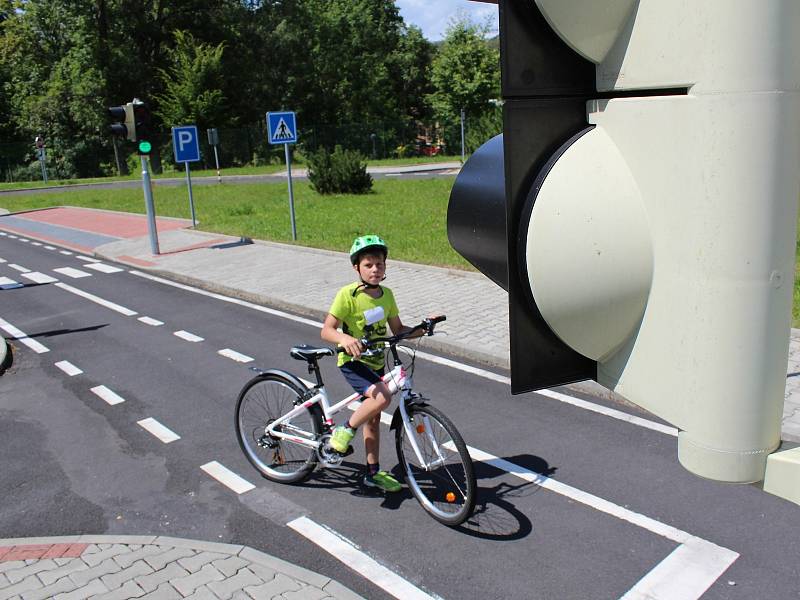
{"x": 397, "y": 380}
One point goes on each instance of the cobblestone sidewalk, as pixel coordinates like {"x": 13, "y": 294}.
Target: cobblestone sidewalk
{"x": 155, "y": 568}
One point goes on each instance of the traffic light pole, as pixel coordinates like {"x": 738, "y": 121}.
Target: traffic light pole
{"x": 151, "y": 211}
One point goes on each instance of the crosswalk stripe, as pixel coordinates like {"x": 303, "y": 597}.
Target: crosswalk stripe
{"x": 37, "y": 277}
{"x": 7, "y": 283}
{"x": 74, "y": 273}
{"x": 103, "y": 268}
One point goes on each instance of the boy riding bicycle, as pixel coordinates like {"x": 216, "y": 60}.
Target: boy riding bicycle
{"x": 364, "y": 309}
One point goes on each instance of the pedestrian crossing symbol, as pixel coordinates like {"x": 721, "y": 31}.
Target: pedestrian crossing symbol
{"x": 282, "y": 127}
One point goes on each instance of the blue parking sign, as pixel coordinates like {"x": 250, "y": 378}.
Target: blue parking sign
{"x": 186, "y": 144}
{"x": 282, "y": 127}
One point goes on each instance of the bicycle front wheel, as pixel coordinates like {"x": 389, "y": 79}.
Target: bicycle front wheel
{"x": 262, "y": 401}
{"x": 441, "y": 477}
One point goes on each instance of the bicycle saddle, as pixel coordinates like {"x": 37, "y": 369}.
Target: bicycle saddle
{"x": 309, "y": 353}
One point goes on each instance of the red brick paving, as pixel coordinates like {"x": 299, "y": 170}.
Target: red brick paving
{"x": 35, "y": 551}
{"x": 115, "y": 224}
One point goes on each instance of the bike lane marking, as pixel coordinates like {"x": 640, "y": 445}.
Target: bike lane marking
{"x": 348, "y": 553}
{"x": 161, "y": 432}
{"x": 22, "y": 337}
{"x": 189, "y": 337}
{"x": 234, "y": 355}
{"x": 227, "y": 477}
{"x": 97, "y": 300}
{"x": 68, "y": 368}
{"x": 108, "y": 395}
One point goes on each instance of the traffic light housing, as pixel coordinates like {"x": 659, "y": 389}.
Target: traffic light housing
{"x": 640, "y": 210}
{"x": 124, "y": 124}
{"x": 141, "y": 115}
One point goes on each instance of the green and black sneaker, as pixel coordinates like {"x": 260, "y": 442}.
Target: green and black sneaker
{"x": 382, "y": 481}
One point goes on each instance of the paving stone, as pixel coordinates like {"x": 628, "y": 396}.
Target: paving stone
{"x": 128, "y": 590}
{"x": 93, "y": 588}
{"x": 203, "y": 593}
{"x": 196, "y": 562}
{"x": 31, "y": 569}
{"x": 338, "y": 591}
{"x": 126, "y": 560}
{"x": 229, "y": 566}
{"x": 72, "y": 565}
{"x": 263, "y": 571}
{"x": 11, "y": 565}
{"x": 63, "y": 585}
{"x": 154, "y": 580}
{"x": 306, "y": 593}
{"x": 96, "y": 572}
{"x": 29, "y": 583}
{"x": 137, "y": 569}
{"x": 159, "y": 561}
{"x": 187, "y": 585}
{"x": 163, "y": 592}
{"x": 95, "y": 558}
{"x": 225, "y": 589}
{"x": 279, "y": 585}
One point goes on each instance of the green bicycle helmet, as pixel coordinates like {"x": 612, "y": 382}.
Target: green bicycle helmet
{"x": 367, "y": 242}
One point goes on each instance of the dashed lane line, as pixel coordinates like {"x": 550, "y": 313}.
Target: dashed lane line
{"x": 366, "y": 566}
{"x": 103, "y": 267}
{"x": 22, "y": 337}
{"x": 72, "y": 272}
{"x": 227, "y": 477}
{"x": 151, "y": 321}
{"x": 65, "y": 252}
{"x": 189, "y": 337}
{"x": 36, "y": 243}
{"x": 163, "y": 433}
{"x": 68, "y": 368}
{"x": 19, "y": 268}
{"x": 86, "y": 259}
{"x": 3, "y": 260}
{"x": 11, "y": 236}
{"x": 37, "y": 277}
{"x": 96, "y": 299}
{"x": 233, "y": 355}
{"x": 22, "y": 239}
{"x": 48, "y": 247}
{"x": 108, "y": 395}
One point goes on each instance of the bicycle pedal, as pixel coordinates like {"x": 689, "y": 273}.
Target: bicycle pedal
{"x": 347, "y": 452}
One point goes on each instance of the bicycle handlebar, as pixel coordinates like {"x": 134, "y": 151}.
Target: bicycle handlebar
{"x": 427, "y": 325}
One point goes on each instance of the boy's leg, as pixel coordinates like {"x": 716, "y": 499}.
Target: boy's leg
{"x": 376, "y": 399}
{"x": 372, "y": 439}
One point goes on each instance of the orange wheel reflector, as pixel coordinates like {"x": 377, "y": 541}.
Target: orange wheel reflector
{"x": 420, "y": 428}
{"x": 450, "y": 497}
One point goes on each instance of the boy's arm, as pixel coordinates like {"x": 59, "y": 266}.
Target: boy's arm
{"x": 330, "y": 333}
{"x": 397, "y": 326}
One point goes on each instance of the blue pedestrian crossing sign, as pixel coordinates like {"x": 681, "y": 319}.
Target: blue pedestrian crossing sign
{"x": 185, "y": 144}
{"x": 282, "y": 127}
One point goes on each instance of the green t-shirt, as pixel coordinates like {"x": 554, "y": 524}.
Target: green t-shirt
{"x": 356, "y": 311}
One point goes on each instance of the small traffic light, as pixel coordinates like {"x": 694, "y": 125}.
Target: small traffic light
{"x": 141, "y": 117}
{"x": 124, "y": 125}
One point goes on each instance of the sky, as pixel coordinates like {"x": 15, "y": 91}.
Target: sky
{"x": 432, "y": 16}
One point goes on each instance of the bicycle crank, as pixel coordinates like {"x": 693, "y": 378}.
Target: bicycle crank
{"x": 327, "y": 455}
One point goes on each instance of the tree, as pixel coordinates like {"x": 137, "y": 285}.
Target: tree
{"x": 465, "y": 72}
{"x": 192, "y": 85}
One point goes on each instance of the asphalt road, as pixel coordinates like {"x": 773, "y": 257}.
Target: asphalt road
{"x": 617, "y": 515}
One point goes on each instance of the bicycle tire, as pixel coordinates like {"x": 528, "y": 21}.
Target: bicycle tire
{"x": 447, "y": 492}
{"x": 262, "y": 400}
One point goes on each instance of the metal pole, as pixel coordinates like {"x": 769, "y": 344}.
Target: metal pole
{"x": 149, "y": 206}
{"x": 462, "y": 136}
{"x": 291, "y": 194}
{"x": 116, "y": 156}
{"x": 216, "y": 160}
{"x": 191, "y": 198}
{"x": 43, "y": 162}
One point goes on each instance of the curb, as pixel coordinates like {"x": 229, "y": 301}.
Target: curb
{"x": 327, "y": 586}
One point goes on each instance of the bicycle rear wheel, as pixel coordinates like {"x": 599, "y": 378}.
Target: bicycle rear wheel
{"x": 444, "y": 481}
{"x": 263, "y": 400}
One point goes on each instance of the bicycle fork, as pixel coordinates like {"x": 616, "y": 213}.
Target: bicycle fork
{"x": 411, "y": 434}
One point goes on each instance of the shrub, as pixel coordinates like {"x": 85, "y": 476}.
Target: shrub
{"x": 338, "y": 172}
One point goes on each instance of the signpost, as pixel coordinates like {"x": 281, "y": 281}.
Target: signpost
{"x": 282, "y": 129}
{"x": 213, "y": 140}
{"x": 40, "y": 152}
{"x": 186, "y": 146}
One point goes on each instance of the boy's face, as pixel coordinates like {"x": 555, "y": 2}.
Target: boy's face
{"x": 371, "y": 268}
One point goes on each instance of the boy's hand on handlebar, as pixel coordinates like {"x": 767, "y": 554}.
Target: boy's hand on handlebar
{"x": 351, "y": 345}
{"x": 431, "y": 322}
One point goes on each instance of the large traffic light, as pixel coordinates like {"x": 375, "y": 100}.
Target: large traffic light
{"x": 124, "y": 125}
{"x": 640, "y": 210}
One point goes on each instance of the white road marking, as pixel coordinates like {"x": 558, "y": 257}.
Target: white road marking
{"x": 37, "y": 277}
{"x": 233, "y": 355}
{"x": 609, "y": 412}
{"x": 103, "y": 267}
{"x": 3, "y": 260}
{"x": 19, "y": 268}
{"x": 22, "y": 239}
{"x": 165, "y": 434}
{"x": 350, "y": 554}
{"x": 65, "y": 252}
{"x": 227, "y": 477}
{"x": 36, "y": 243}
{"x": 68, "y": 368}
{"x": 703, "y": 560}
{"x": 2, "y": 233}
{"x": 74, "y": 273}
{"x": 108, "y": 304}
{"x": 86, "y": 258}
{"x": 9, "y": 284}
{"x": 13, "y": 237}
{"x": 22, "y": 337}
{"x": 49, "y": 247}
{"x": 106, "y": 394}
{"x": 189, "y": 337}
{"x": 151, "y": 321}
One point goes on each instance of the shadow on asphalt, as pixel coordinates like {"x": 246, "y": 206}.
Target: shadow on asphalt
{"x": 55, "y": 332}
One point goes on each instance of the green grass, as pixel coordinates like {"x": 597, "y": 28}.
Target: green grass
{"x": 409, "y": 214}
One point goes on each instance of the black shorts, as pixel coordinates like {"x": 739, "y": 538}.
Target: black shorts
{"x": 360, "y": 376}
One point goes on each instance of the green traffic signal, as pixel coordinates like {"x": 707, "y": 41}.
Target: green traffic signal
{"x": 145, "y": 147}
